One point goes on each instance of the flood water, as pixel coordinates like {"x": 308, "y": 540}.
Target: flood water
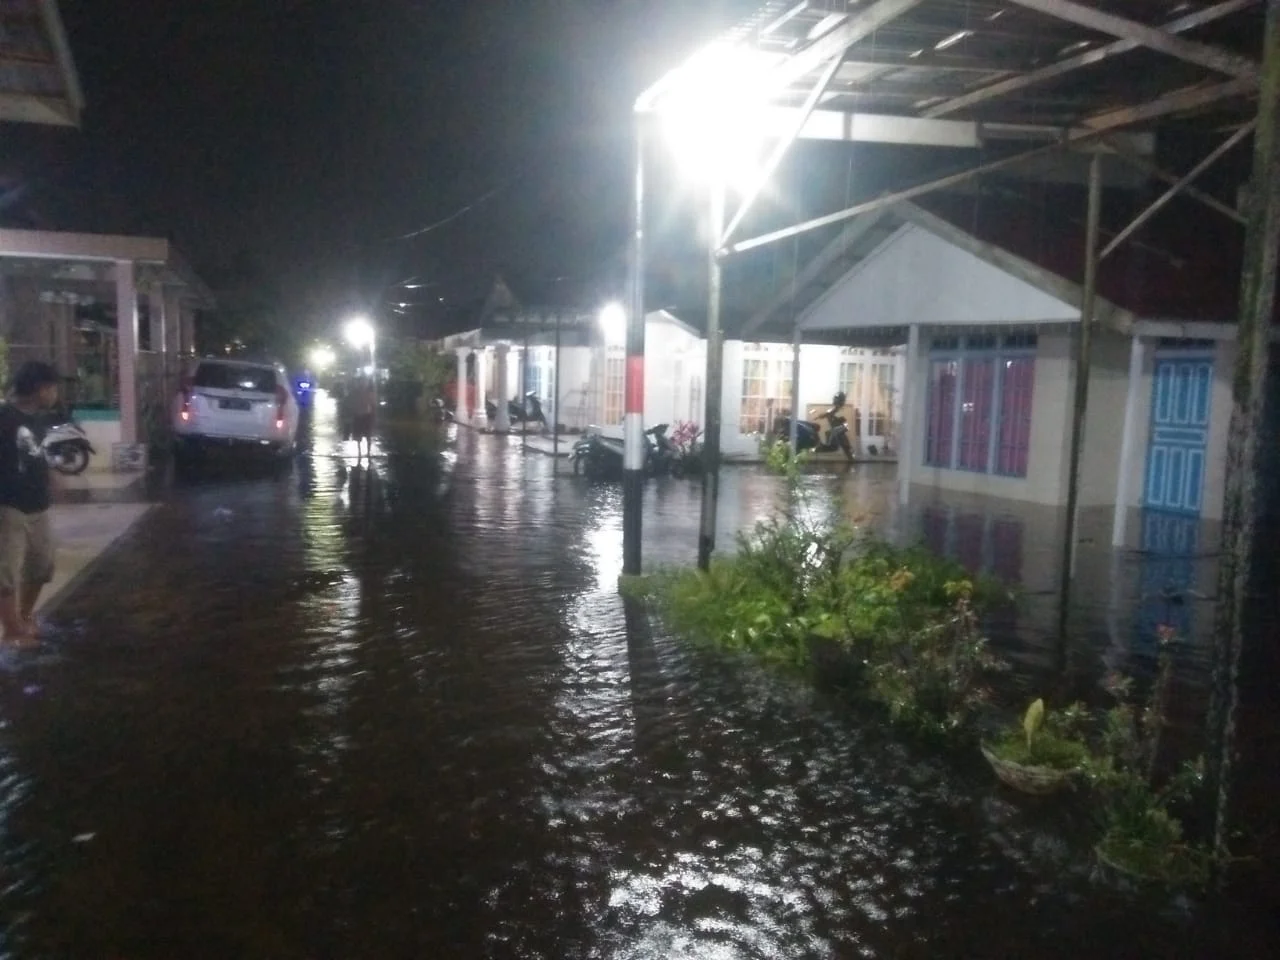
{"x": 403, "y": 713}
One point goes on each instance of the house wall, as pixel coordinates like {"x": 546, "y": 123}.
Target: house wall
{"x": 1051, "y": 402}
{"x": 1104, "y": 420}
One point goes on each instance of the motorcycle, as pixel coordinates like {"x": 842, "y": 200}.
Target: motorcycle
{"x": 530, "y": 411}
{"x": 809, "y": 434}
{"x": 67, "y": 447}
{"x": 599, "y": 457}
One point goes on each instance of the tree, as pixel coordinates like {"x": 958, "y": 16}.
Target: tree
{"x": 418, "y": 361}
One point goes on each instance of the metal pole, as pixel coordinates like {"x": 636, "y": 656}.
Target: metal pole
{"x": 633, "y": 451}
{"x": 555, "y": 403}
{"x": 796, "y": 339}
{"x": 524, "y": 389}
{"x": 714, "y": 380}
{"x": 1082, "y": 388}
{"x": 1243, "y": 584}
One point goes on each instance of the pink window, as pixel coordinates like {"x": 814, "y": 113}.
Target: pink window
{"x": 940, "y": 428}
{"x": 975, "y": 415}
{"x": 1014, "y": 442}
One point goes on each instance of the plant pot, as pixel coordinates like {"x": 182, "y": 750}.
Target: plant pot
{"x": 1035, "y": 780}
{"x": 1193, "y": 874}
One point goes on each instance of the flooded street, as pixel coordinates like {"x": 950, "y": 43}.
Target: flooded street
{"x": 404, "y": 713}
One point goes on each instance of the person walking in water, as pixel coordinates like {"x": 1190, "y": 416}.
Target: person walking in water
{"x": 364, "y": 409}
{"x": 26, "y": 537}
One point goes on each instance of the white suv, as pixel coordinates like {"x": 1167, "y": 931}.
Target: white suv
{"x": 237, "y": 402}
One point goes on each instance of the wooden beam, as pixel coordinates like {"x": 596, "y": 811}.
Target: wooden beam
{"x": 1176, "y": 102}
{"x": 1085, "y": 59}
{"x": 780, "y": 149}
{"x": 1139, "y": 162}
{"x": 1152, "y": 37}
{"x": 829, "y": 254}
{"x": 1163, "y": 200}
{"x": 1080, "y": 406}
{"x": 833, "y": 43}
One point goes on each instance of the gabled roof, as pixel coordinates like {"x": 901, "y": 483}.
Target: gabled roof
{"x": 1183, "y": 268}
{"x": 917, "y": 276}
{"x": 38, "y": 80}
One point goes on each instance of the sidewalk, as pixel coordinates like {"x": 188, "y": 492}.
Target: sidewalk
{"x": 84, "y": 531}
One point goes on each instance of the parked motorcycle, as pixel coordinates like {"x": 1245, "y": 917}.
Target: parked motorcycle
{"x": 809, "y": 434}
{"x": 441, "y": 411}
{"x": 528, "y": 411}
{"x": 600, "y": 458}
{"x": 66, "y": 445}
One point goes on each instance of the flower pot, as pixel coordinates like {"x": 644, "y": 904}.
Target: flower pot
{"x": 1036, "y": 780}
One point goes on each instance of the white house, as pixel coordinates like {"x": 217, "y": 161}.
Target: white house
{"x": 990, "y": 359}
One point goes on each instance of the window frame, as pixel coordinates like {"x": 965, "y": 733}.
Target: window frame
{"x": 964, "y": 350}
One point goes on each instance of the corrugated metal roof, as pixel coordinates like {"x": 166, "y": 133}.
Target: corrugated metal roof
{"x": 38, "y": 81}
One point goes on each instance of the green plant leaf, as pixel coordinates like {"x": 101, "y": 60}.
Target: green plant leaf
{"x": 1033, "y": 720}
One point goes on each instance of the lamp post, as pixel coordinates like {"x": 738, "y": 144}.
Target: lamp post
{"x": 633, "y": 443}
{"x": 710, "y": 114}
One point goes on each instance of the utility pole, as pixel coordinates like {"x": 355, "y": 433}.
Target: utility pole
{"x": 633, "y": 449}
{"x": 714, "y": 380}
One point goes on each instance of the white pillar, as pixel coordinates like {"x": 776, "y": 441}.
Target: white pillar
{"x": 127, "y": 348}
{"x": 480, "y": 417}
{"x": 907, "y": 423}
{"x": 460, "y": 409}
{"x": 1128, "y": 441}
{"x": 502, "y": 422}
{"x": 157, "y": 307}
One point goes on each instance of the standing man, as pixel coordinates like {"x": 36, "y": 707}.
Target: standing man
{"x": 364, "y": 409}
{"x": 26, "y": 539}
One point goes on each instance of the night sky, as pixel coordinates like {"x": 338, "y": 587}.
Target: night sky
{"x": 306, "y": 134}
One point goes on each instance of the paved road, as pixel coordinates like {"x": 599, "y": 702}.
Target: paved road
{"x": 401, "y": 712}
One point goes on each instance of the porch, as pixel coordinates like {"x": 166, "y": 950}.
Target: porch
{"x": 115, "y": 315}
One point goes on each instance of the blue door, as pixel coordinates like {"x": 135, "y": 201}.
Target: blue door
{"x": 1179, "y": 433}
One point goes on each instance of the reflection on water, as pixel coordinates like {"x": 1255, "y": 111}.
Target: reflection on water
{"x": 401, "y": 711}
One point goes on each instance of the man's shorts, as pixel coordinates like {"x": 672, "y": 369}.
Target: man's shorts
{"x": 26, "y": 549}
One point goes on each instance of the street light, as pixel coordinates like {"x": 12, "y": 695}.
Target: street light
{"x": 711, "y": 111}
{"x": 613, "y": 324}
{"x": 322, "y": 358}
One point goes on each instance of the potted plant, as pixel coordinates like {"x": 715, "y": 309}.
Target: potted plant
{"x": 1142, "y": 838}
{"x": 1042, "y": 753}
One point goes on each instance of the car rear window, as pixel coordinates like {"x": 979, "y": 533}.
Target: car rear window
{"x": 230, "y": 376}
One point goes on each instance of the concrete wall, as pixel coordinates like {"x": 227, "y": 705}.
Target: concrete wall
{"x": 1104, "y": 421}
{"x": 1052, "y": 402}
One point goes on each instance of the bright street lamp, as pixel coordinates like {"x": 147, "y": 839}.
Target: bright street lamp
{"x": 322, "y": 358}
{"x": 712, "y": 111}
{"x": 360, "y": 333}
{"x": 613, "y": 324}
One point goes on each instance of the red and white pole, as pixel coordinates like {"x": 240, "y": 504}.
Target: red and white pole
{"x": 634, "y": 451}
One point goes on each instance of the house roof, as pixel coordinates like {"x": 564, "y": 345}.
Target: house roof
{"x": 1183, "y": 266}
{"x": 38, "y": 80}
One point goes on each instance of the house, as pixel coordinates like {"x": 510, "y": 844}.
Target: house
{"x": 983, "y": 292}
{"x": 114, "y": 314}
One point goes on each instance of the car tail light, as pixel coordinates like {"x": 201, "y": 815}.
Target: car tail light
{"x": 282, "y": 400}
{"x": 185, "y": 412}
